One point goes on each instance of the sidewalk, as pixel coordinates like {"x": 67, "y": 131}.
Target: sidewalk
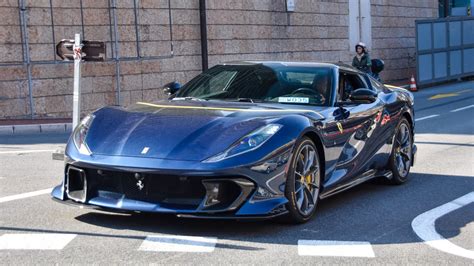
{"x": 34, "y": 126}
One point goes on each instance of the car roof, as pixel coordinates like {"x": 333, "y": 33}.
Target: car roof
{"x": 280, "y": 63}
{"x": 276, "y": 64}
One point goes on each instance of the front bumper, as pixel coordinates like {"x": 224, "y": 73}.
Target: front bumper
{"x": 240, "y": 216}
{"x": 253, "y": 192}
{"x": 116, "y": 203}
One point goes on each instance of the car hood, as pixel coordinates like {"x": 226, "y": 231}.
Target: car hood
{"x": 179, "y": 130}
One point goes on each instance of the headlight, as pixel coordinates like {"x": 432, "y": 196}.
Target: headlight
{"x": 248, "y": 143}
{"x": 80, "y": 133}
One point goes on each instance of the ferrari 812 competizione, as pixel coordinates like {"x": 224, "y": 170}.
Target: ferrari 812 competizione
{"x": 243, "y": 140}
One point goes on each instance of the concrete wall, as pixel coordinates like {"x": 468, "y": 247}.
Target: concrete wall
{"x": 237, "y": 30}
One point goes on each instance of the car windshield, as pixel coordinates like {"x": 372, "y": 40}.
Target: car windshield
{"x": 259, "y": 83}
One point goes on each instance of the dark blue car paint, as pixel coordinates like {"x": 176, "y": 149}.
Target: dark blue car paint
{"x": 181, "y": 139}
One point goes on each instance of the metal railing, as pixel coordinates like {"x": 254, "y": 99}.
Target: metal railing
{"x": 112, "y": 39}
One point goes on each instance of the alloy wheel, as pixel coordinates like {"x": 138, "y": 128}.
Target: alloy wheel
{"x": 403, "y": 150}
{"x": 307, "y": 180}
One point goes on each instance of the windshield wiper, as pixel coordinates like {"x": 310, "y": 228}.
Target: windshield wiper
{"x": 250, "y": 100}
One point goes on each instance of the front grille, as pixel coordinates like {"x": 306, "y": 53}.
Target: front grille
{"x": 169, "y": 191}
{"x": 165, "y": 189}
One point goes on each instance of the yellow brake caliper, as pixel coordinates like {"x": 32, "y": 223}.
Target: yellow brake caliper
{"x": 308, "y": 181}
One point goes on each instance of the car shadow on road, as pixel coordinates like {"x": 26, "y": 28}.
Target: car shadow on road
{"x": 379, "y": 214}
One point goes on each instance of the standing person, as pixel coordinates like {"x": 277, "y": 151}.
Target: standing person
{"x": 362, "y": 60}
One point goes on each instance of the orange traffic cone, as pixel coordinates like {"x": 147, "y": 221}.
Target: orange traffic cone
{"x": 413, "y": 84}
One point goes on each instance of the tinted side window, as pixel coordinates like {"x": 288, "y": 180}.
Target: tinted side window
{"x": 363, "y": 82}
{"x": 214, "y": 85}
{"x": 349, "y": 82}
{"x": 376, "y": 85}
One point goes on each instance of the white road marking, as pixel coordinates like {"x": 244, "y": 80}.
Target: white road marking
{"x": 424, "y": 227}
{"x": 462, "y": 108}
{"x": 335, "y": 248}
{"x": 25, "y": 195}
{"x": 35, "y": 241}
{"x": 175, "y": 243}
{"x": 24, "y": 151}
{"x": 426, "y": 117}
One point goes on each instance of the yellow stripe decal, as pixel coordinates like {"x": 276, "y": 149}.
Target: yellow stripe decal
{"x": 463, "y": 91}
{"x": 391, "y": 86}
{"x": 230, "y": 109}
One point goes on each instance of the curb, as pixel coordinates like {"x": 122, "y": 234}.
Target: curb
{"x": 35, "y": 129}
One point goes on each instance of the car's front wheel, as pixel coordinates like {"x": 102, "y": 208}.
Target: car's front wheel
{"x": 401, "y": 158}
{"x": 303, "y": 182}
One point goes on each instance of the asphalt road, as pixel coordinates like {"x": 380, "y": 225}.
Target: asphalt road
{"x": 424, "y": 221}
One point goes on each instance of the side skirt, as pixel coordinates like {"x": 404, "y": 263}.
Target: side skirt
{"x": 361, "y": 179}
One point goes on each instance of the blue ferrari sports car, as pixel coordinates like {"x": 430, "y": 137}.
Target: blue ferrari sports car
{"x": 243, "y": 140}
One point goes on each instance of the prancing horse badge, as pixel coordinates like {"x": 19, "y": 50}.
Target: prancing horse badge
{"x": 339, "y": 126}
{"x": 140, "y": 185}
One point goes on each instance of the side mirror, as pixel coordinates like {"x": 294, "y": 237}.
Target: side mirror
{"x": 377, "y": 65}
{"x": 363, "y": 95}
{"x": 171, "y": 88}
{"x": 341, "y": 113}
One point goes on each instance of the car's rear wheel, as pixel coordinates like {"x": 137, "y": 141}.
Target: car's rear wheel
{"x": 303, "y": 182}
{"x": 401, "y": 157}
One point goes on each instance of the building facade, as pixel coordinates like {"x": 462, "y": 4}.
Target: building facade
{"x": 152, "y": 42}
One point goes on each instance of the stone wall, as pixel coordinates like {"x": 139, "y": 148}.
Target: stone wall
{"x": 393, "y": 34}
{"x": 246, "y": 30}
{"x": 52, "y": 81}
{"x": 237, "y": 30}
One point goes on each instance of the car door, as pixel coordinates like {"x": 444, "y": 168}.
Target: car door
{"x": 353, "y": 130}
{"x": 391, "y": 114}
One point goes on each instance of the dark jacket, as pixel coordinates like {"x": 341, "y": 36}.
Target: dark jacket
{"x": 364, "y": 64}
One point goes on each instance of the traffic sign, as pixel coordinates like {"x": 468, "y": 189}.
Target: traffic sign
{"x": 91, "y": 50}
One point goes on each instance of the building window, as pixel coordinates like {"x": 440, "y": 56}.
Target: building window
{"x": 455, "y": 8}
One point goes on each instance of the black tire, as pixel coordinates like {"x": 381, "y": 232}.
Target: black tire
{"x": 302, "y": 190}
{"x": 401, "y": 156}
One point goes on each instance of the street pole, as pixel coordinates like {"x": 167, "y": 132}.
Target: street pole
{"x": 26, "y": 55}
{"x": 203, "y": 27}
{"x": 118, "y": 100}
{"x": 76, "y": 98}
{"x": 446, "y": 8}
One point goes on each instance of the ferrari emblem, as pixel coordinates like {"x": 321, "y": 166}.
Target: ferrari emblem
{"x": 140, "y": 185}
{"x": 339, "y": 126}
